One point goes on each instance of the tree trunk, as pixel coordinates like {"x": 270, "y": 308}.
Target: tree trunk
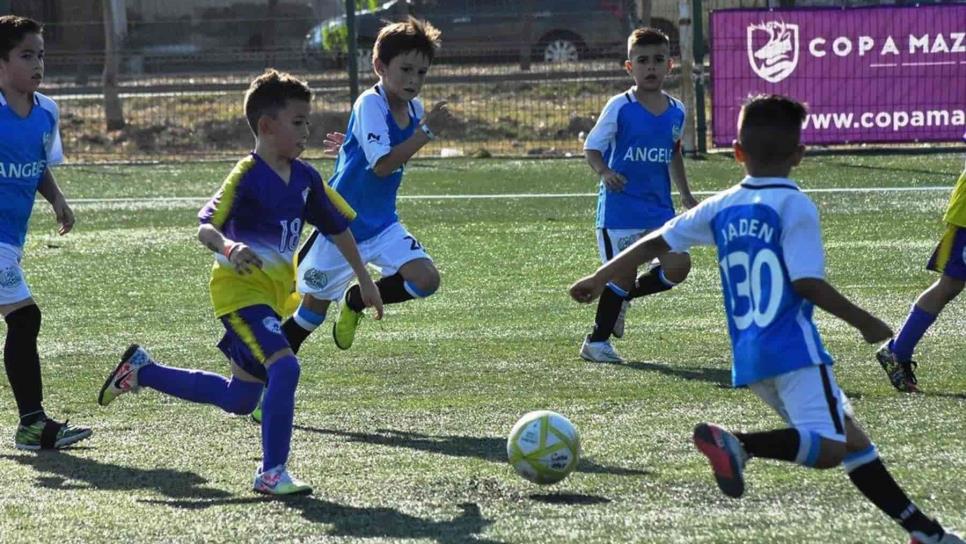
{"x": 687, "y": 71}
{"x": 643, "y": 13}
{"x": 113, "y": 112}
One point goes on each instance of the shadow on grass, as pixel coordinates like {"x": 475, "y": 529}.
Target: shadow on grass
{"x": 363, "y": 522}
{"x": 486, "y": 448}
{"x": 568, "y": 498}
{"x": 721, "y": 377}
{"x": 60, "y": 470}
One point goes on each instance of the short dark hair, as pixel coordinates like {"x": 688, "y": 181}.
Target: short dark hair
{"x": 13, "y": 28}
{"x": 270, "y": 92}
{"x": 770, "y": 127}
{"x": 647, "y": 36}
{"x": 410, "y": 35}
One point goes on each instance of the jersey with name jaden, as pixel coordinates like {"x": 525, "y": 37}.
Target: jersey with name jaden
{"x": 768, "y": 236}
{"x": 638, "y": 145}
{"x": 256, "y": 207}
{"x": 371, "y": 134}
{"x": 28, "y": 146}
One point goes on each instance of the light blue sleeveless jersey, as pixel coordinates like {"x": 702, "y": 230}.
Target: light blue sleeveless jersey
{"x": 639, "y": 145}
{"x": 28, "y": 146}
{"x": 767, "y": 234}
{"x": 371, "y": 134}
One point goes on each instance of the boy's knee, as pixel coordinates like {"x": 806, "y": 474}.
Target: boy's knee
{"x": 677, "y": 270}
{"x": 24, "y": 321}
{"x": 425, "y": 284}
{"x": 285, "y": 369}
{"x": 831, "y": 454}
{"x": 243, "y": 397}
{"x": 950, "y": 288}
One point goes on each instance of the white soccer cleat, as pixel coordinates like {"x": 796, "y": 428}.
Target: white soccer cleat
{"x": 947, "y": 538}
{"x": 618, "y": 331}
{"x": 124, "y": 378}
{"x": 277, "y": 481}
{"x": 599, "y": 352}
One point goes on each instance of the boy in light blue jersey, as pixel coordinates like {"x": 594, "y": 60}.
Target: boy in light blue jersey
{"x": 388, "y": 125}
{"x": 253, "y": 224}
{"x": 635, "y": 148}
{"x": 29, "y": 146}
{"x": 772, "y": 275}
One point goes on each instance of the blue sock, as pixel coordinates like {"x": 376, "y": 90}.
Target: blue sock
{"x": 916, "y": 325}
{"x": 278, "y": 411}
{"x": 234, "y": 395}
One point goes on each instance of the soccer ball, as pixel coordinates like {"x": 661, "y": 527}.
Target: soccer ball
{"x": 544, "y": 447}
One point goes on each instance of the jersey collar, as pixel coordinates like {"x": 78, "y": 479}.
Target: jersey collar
{"x": 752, "y": 182}
{"x": 3, "y": 100}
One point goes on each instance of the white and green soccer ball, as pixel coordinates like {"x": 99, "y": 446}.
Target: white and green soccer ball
{"x": 544, "y": 447}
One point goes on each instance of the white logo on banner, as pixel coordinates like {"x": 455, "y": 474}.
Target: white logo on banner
{"x": 777, "y": 58}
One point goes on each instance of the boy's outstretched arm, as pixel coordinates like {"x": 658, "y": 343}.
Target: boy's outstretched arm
{"x": 626, "y": 263}
{"x": 346, "y": 243}
{"x": 51, "y": 192}
{"x": 238, "y": 254}
{"x": 826, "y": 297}
{"x": 434, "y": 120}
{"x": 680, "y": 179}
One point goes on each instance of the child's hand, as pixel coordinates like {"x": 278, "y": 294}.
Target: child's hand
{"x": 65, "y": 216}
{"x": 613, "y": 180}
{"x": 370, "y": 296}
{"x": 438, "y": 118}
{"x": 243, "y": 258}
{"x": 586, "y": 290}
{"x": 333, "y": 142}
{"x": 689, "y": 201}
{"x": 875, "y": 330}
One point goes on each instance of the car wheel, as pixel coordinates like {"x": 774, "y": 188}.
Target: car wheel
{"x": 561, "y": 49}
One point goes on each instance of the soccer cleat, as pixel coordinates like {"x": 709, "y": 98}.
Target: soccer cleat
{"x": 900, "y": 372}
{"x": 599, "y": 352}
{"x": 277, "y": 481}
{"x": 727, "y": 457}
{"x": 124, "y": 378}
{"x": 944, "y": 538}
{"x": 344, "y": 329}
{"x": 48, "y": 434}
{"x": 618, "y": 331}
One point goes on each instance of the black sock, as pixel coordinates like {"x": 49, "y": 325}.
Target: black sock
{"x": 875, "y": 482}
{"x": 392, "y": 289}
{"x": 22, "y": 362}
{"x": 648, "y": 283}
{"x": 781, "y": 444}
{"x": 294, "y": 333}
{"x": 608, "y": 308}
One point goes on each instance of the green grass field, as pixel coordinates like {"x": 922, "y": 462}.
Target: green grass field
{"x": 403, "y": 436}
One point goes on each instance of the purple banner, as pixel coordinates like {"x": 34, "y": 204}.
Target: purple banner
{"x": 881, "y": 74}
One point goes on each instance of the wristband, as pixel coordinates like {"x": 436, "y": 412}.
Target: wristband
{"x": 228, "y": 249}
{"x": 429, "y": 133}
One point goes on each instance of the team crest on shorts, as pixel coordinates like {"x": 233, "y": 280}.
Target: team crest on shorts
{"x": 316, "y": 278}
{"x": 10, "y": 277}
{"x": 625, "y": 242}
{"x": 272, "y": 325}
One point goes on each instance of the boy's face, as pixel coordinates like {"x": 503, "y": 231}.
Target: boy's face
{"x": 288, "y": 131}
{"x": 23, "y": 69}
{"x": 648, "y": 65}
{"x": 403, "y": 76}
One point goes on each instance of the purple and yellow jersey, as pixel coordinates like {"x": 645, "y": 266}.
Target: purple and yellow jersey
{"x": 956, "y": 212}
{"x": 256, "y": 207}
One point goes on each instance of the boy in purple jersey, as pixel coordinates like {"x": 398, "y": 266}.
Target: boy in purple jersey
{"x": 253, "y": 224}
{"x": 29, "y": 145}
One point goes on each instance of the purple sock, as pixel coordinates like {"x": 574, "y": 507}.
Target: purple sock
{"x": 916, "y": 325}
{"x": 234, "y": 395}
{"x": 278, "y": 411}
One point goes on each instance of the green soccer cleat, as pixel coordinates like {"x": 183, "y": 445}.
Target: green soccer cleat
{"x": 277, "y": 481}
{"x": 48, "y": 434}
{"x": 344, "y": 330}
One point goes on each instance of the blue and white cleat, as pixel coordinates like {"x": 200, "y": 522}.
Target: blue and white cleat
{"x": 727, "y": 457}
{"x": 277, "y": 481}
{"x": 945, "y": 538}
{"x": 124, "y": 378}
{"x": 599, "y": 352}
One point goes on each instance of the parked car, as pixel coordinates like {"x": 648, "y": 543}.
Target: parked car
{"x": 560, "y": 30}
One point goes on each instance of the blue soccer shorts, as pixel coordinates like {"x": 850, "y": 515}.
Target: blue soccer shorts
{"x": 252, "y": 335}
{"x": 950, "y": 255}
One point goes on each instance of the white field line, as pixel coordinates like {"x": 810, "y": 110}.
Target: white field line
{"x": 510, "y": 196}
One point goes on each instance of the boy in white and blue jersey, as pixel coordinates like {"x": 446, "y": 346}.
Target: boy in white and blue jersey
{"x": 635, "y": 148}
{"x": 773, "y": 275}
{"x": 387, "y": 127}
{"x": 29, "y": 145}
